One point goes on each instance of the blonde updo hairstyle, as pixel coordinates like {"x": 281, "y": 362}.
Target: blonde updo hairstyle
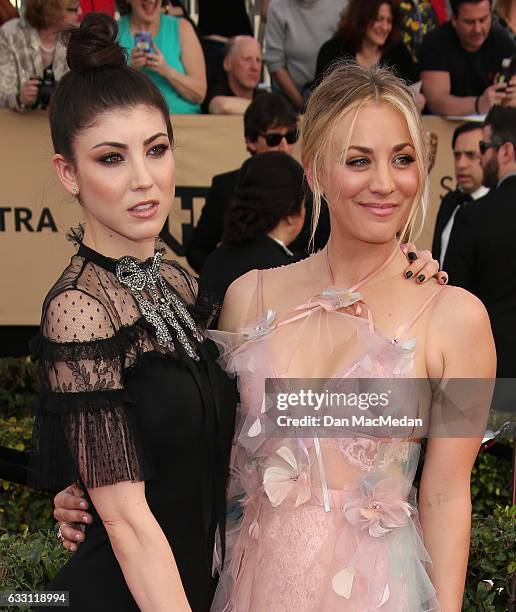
{"x": 344, "y": 91}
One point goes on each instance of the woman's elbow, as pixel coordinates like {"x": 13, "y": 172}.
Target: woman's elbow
{"x": 199, "y": 93}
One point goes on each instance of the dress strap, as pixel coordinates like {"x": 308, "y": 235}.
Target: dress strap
{"x": 259, "y": 293}
{"x": 403, "y": 329}
{"x": 367, "y": 278}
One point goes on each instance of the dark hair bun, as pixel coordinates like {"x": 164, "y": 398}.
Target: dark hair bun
{"x": 94, "y": 44}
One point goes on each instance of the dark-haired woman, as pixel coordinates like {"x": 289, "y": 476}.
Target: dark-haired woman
{"x": 266, "y": 215}
{"x": 134, "y": 407}
{"x": 369, "y": 33}
{"x": 176, "y": 61}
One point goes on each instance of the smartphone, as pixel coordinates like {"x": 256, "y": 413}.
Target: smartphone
{"x": 507, "y": 70}
{"x": 143, "y": 41}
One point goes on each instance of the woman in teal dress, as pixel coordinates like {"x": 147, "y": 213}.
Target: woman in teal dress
{"x": 176, "y": 64}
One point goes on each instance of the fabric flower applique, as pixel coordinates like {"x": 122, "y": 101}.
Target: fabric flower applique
{"x": 334, "y": 298}
{"x": 259, "y": 327}
{"x": 379, "y": 508}
{"x": 285, "y": 476}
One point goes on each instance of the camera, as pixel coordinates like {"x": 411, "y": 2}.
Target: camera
{"x": 46, "y": 88}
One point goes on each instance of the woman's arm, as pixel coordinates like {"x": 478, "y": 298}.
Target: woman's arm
{"x": 239, "y": 300}
{"x": 275, "y": 55}
{"x": 191, "y": 85}
{"x": 8, "y": 73}
{"x": 140, "y": 547}
{"x": 282, "y": 77}
{"x": 461, "y": 347}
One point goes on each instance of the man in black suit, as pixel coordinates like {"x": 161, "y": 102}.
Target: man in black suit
{"x": 481, "y": 255}
{"x": 468, "y": 172}
{"x": 270, "y": 124}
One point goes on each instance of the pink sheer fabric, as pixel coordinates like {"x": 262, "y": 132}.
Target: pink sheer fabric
{"x": 327, "y": 524}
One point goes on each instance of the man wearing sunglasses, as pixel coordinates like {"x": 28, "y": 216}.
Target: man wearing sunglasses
{"x": 481, "y": 256}
{"x": 468, "y": 172}
{"x": 270, "y": 124}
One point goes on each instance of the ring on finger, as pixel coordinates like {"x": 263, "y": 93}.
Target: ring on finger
{"x": 60, "y": 535}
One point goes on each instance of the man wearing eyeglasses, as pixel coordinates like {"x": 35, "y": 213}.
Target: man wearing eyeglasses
{"x": 481, "y": 255}
{"x": 270, "y": 124}
{"x": 468, "y": 172}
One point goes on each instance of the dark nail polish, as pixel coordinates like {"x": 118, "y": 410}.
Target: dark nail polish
{"x": 409, "y": 274}
{"x": 421, "y": 278}
{"x": 412, "y": 256}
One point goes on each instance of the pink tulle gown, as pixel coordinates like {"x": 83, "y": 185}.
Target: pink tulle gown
{"x": 329, "y": 524}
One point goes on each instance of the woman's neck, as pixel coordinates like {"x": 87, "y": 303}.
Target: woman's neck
{"x": 114, "y": 245}
{"x": 138, "y": 25}
{"x": 369, "y": 54}
{"x": 48, "y": 36}
{"x": 352, "y": 261}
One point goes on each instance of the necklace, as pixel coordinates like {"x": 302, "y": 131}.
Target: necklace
{"x": 46, "y": 49}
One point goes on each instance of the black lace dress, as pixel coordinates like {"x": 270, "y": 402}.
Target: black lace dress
{"x": 120, "y": 404}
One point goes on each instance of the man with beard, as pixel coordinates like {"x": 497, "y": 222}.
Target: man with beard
{"x": 480, "y": 256}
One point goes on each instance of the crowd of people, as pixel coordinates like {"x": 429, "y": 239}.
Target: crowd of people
{"x": 318, "y": 280}
{"x": 457, "y": 54}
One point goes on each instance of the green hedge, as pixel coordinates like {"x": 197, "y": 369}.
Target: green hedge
{"x": 491, "y": 577}
{"x": 30, "y": 554}
{"x": 29, "y": 560}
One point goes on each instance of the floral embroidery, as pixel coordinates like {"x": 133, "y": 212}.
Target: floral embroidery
{"x": 260, "y": 327}
{"x": 334, "y": 298}
{"x": 378, "y": 508}
{"x": 286, "y": 477}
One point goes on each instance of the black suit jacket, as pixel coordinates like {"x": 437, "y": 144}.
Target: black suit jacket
{"x": 208, "y": 232}
{"x": 227, "y": 263}
{"x": 481, "y": 258}
{"x": 450, "y": 202}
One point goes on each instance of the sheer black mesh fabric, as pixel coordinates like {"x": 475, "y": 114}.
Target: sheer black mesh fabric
{"x": 91, "y": 333}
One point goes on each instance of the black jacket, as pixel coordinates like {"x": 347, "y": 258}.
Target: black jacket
{"x": 448, "y": 205}
{"x": 227, "y": 263}
{"x": 208, "y": 231}
{"x": 481, "y": 258}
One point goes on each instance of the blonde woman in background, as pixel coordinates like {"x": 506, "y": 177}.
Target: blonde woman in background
{"x": 29, "y": 45}
{"x": 331, "y": 524}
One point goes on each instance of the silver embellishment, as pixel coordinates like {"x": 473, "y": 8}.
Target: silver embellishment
{"x": 160, "y": 309}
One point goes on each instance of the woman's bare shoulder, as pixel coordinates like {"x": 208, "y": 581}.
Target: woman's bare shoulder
{"x": 458, "y": 307}
{"x": 243, "y": 295}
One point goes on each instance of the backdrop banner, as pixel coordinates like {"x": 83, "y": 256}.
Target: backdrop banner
{"x": 36, "y": 212}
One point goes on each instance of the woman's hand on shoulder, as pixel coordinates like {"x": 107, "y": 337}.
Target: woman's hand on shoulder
{"x": 422, "y": 266}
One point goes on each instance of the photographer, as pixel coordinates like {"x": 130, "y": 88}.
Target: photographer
{"x": 32, "y": 58}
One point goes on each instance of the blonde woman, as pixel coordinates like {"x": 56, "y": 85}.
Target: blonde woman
{"x": 30, "y": 45}
{"x": 330, "y": 523}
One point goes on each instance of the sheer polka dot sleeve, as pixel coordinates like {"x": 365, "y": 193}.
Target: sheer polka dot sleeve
{"x": 84, "y": 423}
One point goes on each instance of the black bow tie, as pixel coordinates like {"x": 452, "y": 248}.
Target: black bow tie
{"x": 463, "y": 198}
